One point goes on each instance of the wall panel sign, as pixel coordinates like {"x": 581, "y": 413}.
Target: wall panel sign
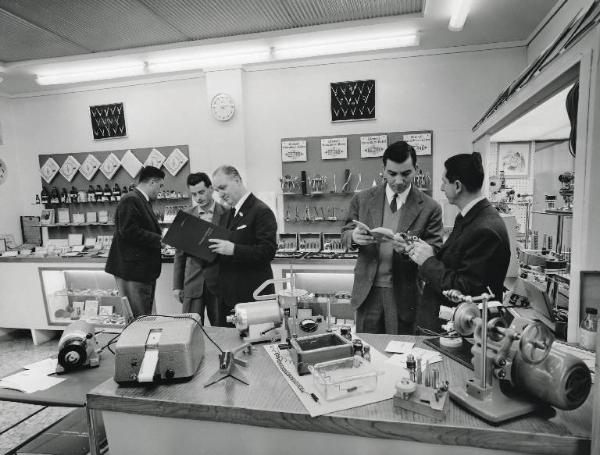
{"x": 334, "y": 148}
{"x": 421, "y": 141}
{"x": 373, "y": 146}
{"x": 352, "y": 100}
{"x": 293, "y": 151}
{"x": 108, "y": 120}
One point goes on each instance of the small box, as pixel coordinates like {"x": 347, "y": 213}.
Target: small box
{"x": 91, "y": 308}
{"x": 344, "y": 377}
{"x": 106, "y": 310}
{"x": 78, "y": 218}
{"x": 75, "y": 239}
{"x": 90, "y": 217}
{"x": 63, "y": 215}
{"x": 103, "y": 216}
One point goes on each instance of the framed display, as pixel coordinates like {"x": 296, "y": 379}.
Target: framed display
{"x": 352, "y": 100}
{"x": 108, "y": 121}
{"x": 131, "y": 164}
{"x": 155, "y": 158}
{"x": 421, "y": 141}
{"x": 175, "y": 161}
{"x": 47, "y": 216}
{"x": 89, "y": 167}
{"x": 110, "y": 166}
{"x": 513, "y": 158}
{"x": 293, "y": 151}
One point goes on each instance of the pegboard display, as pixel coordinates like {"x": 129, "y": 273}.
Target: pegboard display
{"x": 337, "y": 180}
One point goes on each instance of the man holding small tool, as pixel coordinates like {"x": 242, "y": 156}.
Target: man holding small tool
{"x": 385, "y": 293}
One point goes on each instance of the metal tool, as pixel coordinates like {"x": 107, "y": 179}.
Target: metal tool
{"x": 228, "y": 366}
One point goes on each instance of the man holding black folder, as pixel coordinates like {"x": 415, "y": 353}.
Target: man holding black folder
{"x": 245, "y": 259}
{"x": 195, "y": 280}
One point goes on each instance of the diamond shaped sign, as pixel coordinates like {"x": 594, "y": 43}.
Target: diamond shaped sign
{"x": 110, "y": 166}
{"x": 69, "y": 168}
{"x": 89, "y": 167}
{"x": 131, "y": 164}
{"x": 49, "y": 170}
{"x": 155, "y": 159}
{"x": 175, "y": 162}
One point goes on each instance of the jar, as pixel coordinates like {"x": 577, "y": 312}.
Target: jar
{"x": 588, "y": 329}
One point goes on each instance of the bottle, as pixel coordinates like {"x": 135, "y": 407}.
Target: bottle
{"x": 74, "y": 195}
{"x": 45, "y": 195}
{"x": 98, "y": 193}
{"x": 64, "y": 197}
{"x": 37, "y": 199}
{"x": 116, "y": 193}
{"x": 91, "y": 194}
{"x": 106, "y": 194}
{"x": 588, "y": 329}
{"x": 124, "y": 190}
{"x": 54, "y": 196}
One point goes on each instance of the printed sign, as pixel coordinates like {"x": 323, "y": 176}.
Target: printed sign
{"x": 373, "y": 146}
{"x": 293, "y": 151}
{"x": 334, "y": 148}
{"x": 421, "y": 141}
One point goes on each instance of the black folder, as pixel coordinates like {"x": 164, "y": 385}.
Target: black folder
{"x": 190, "y": 234}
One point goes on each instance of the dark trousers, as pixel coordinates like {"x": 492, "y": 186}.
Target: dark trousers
{"x": 140, "y": 295}
{"x": 208, "y": 301}
{"x": 379, "y": 314}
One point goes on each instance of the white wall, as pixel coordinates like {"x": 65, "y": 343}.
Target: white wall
{"x": 446, "y": 93}
{"x": 9, "y": 210}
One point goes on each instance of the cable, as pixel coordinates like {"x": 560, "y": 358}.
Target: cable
{"x": 433, "y": 333}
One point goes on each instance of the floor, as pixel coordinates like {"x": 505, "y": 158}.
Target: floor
{"x": 19, "y": 422}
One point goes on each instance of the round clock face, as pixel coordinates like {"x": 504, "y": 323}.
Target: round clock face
{"x": 222, "y": 107}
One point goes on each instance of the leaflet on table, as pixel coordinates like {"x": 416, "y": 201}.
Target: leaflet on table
{"x": 386, "y": 383}
{"x": 29, "y": 381}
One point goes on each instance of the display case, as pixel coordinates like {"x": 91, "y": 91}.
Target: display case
{"x": 90, "y": 294}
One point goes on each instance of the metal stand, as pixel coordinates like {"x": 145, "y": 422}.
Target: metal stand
{"x": 228, "y": 366}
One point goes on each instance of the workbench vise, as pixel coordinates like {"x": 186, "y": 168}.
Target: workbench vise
{"x": 517, "y": 367}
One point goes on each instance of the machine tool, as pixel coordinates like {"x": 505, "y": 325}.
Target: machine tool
{"x": 159, "y": 348}
{"x": 517, "y": 367}
{"x": 77, "y": 347}
{"x": 274, "y": 318}
{"x": 228, "y": 363}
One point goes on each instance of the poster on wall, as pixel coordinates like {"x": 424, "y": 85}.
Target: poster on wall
{"x": 49, "y": 170}
{"x": 108, "y": 121}
{"x": 155, "y": 158}
{"x": 175, "y": 162}
{"x": 131, "y": 164}
{"x": 420, "y": 140}
{"x": 513, "y": 159}
{"x": 293, "y": 151}
{"x": 352, "y": 100}
{"x": 373, "y": 146}
{"x": 110, "y": 166}
{"x": 69, "y": 168}
{"x": 334, "y": 148}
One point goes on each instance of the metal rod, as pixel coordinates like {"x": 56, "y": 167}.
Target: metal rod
{"x": 484, "y": 330}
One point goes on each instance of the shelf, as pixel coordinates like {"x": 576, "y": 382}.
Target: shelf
{"x": 74, "y": 224}
{"x": 553, "y": 212}
{"x": 338, "y": 194}
{"x": 63, "y": 204}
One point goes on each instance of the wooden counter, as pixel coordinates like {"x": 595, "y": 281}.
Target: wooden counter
{"x": 169, "y": 418}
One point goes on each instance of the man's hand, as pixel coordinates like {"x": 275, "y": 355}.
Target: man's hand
{"x": 224, "y": 247}
{"x": 419, "y": 251}
{"x": 399, "y": 244}
{"x": 361, "y": 237}
{"x": 178, "y": 294}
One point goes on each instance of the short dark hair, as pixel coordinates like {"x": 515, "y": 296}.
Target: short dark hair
{"x": 399, "y": 152}
{"x": 228, "y": 170}
{"x": 467, "y": 168}
{"x": 198, "y": 177}
{"x": 151, "y": 172}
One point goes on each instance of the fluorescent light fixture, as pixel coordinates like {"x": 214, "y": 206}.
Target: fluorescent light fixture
{"x": 209, "y": 59}
{"x": 344, "y": 47}
{"x": 91, "y": 72}
{"x": 459, "y": 15}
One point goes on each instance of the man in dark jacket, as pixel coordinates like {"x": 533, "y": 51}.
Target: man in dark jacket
{"x": 245, "y": 260}
{"x": 195, "y": 281}
{"x": 477, "y": 252}
{"x": 385, "y": 292}
{"x": 134, "y": 258}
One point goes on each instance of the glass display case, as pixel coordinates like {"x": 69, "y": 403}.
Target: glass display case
{"x": 71, "y": 294}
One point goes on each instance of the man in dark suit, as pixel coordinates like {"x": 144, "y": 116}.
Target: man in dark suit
{"x": 477, "y": 252}
{"x": 195, "y": 281}
{"x": 245, "y": 261}
{"x": 385, "y": 292}
{"x": 134, "y": 257}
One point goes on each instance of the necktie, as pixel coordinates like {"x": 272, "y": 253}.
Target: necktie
{"x": 394, "y": 204}
{"x": 458, "y": 219}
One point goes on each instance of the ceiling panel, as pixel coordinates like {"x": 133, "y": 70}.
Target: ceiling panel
{"x": 21, "y": 40}
{"x": 95, "y": 25}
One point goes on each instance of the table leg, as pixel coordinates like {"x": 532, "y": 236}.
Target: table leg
{"x": 97, "y": 438}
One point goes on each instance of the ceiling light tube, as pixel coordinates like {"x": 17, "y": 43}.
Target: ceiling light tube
{"x": 344, "y": 47}
{"x": 90, "y": 73}
{"x": 207, "y": 60}
{"x": 459, "y": 15}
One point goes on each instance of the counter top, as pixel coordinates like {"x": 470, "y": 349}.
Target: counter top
{"x": 270, "y": 402}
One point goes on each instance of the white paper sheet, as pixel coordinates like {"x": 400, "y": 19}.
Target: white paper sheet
{"x": 29, "y": 381}
{"x": 399, "y": 347}
{"x": 46, "y": 366}
{"x": 386, "y": 384}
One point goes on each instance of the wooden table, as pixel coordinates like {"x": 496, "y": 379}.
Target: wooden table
{"x": 266, "y": 417}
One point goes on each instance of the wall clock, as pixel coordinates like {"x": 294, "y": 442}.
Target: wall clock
{"x": 222, "y": 107}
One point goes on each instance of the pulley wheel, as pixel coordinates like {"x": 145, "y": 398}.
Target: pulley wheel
{"x": 536, "y": 342}
{"x": 464, "y": 318}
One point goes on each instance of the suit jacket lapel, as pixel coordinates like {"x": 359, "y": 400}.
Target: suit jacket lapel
{"x": 246, "y": 206}
{"x": 471, "y": 215}
{"x": 376, "y": 201}
{"x": 148, "y": 207}
{"x": 410, "y": 209}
